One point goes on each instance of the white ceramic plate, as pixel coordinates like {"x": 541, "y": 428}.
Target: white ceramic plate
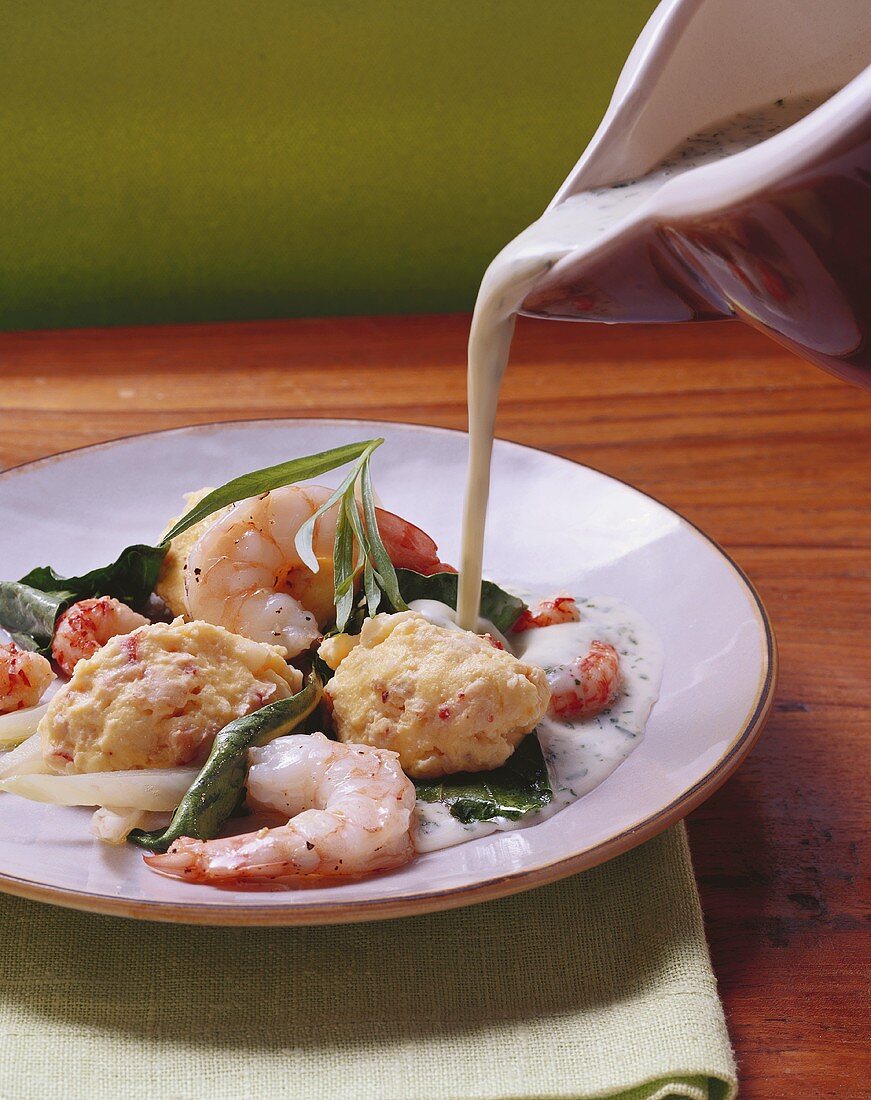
{"x": 554, "y": 526}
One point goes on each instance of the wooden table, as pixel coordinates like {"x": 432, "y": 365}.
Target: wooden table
{"x": 768, "y": 455}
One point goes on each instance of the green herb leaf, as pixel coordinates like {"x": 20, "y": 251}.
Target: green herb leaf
{"x": 371, "y": 591}
{"x": 130, "y": 578}
{"x": 29, "y": 615}
{"x": 269, "y": 478}
{"x": 370, "y": 587}
{"x": 304, "y": 541}
{"x": 216, "y": 791}
{"x": 29, "y": 608}
{"x": 379, "y": 575}
{"x": 343, "y": 566}
{"x": 385, "y": 574}
{"x": 500, "y": 607}
{"x": 519, "y": 787}
{"x": 321, "y": 669}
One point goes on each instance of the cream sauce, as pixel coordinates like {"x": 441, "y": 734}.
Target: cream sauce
{"x": 579, "y": 754}
{"x": 577, "y": 226}
{"x": 440, "y": 614}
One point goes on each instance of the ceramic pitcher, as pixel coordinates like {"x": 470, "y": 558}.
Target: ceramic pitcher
{"x": 778, "y": 235}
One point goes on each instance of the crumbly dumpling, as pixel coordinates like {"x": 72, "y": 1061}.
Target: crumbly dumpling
{"x": 155, "y": 698}
{"x": 445, "y": 700}
{"x": 170, "y": 582}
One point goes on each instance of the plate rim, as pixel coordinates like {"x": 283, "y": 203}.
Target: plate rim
{"x": 217, "y": 914}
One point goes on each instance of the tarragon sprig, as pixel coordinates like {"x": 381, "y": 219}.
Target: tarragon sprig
{"x": 269, "y": 478}
{"x": 358, "y": 544}
{"x": 29, "y": 608}
{"x": 358, "y": 540}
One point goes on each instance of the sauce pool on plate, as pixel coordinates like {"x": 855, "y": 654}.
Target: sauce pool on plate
{"x": 579, "y": 754}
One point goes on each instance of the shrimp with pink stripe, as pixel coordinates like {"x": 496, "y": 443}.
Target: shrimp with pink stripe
{"x": 561, "y": 609}
{"x": 585, "y": 686}
{"x": 24, "y": 677}
{"x": 349, "y": 809}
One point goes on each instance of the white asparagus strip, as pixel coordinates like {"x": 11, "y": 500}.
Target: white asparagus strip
{"x": 26, "y": 759}
{"x": 144, "y": 789}
{"x": 113, "y": 824}
{"x": 19, "y": 725}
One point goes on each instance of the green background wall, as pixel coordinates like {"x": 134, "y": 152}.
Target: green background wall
{"x": 201, "y": 159}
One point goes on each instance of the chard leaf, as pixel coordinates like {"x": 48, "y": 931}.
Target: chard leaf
{"x": 130, "y": 578}
{"x": 500, "y": 607}
{"x": 29, "y": 615}
{"x": 322, "y": 670}
{"x": 216, "y": 792}
{"x": 29, "y": 608}
{"x": 519, "y": 787}
{"x": 269, "y": 478}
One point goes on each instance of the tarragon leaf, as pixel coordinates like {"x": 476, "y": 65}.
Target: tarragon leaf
{"x": 371, "y": 590}
{"x": 304, "y": 541}
{"x": 370, "y": 587}
{"x": 343, "y": 567}
{"x": 269, "y": 478}
{"x": 383, "y": 568}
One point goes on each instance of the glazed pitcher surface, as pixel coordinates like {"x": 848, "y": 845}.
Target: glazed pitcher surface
{"x": 778, "y": 234}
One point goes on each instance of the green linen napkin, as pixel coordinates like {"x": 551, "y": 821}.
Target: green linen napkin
{"x": 599, "y": 985}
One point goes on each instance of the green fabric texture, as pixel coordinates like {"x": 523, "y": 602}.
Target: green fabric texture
{"x": 211, "y": 160}
{"x": 596, "y": 986}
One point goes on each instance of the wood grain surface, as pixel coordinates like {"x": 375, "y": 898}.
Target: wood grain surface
{"x": 769, "y": 455}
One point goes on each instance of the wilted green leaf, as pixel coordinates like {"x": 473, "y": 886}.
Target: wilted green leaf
{"x": 520, "y": 786}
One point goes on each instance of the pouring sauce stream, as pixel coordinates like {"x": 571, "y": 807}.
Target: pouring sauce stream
{"x": 571, "y": 231}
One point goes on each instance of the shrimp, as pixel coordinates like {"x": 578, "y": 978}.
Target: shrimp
{"x": 87, "y": 626}
{"x": 350, "y": 810}
{"x": 587, "y": 685}
{"x": 561, "y": 609}
{"x": 245, "y": 573}
{"x": 24, "y": 676}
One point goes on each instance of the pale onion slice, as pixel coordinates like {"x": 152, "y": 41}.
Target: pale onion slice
{"x": 19, "y": 725}
{"x": 113, "y": 824}
{"x": 26, "y": 759}
{"x": 142, "y": 789}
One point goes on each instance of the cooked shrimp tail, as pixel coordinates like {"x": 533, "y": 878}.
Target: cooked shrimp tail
{"x": 349, "y": 806}
{"x": 561, "y": 609}
{"x": 408, "y": 547}
{"x": 24, "y": 677}
{"x": 87, "y": 626}
{"x": 587, "y": 685}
